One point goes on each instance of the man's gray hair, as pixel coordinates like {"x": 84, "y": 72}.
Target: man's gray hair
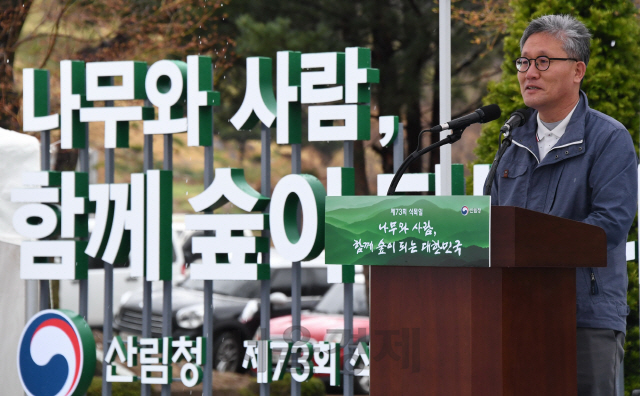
{"x": 575, "y": 36}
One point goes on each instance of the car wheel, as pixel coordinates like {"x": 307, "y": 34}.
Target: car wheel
{"x": 227, "y": 353}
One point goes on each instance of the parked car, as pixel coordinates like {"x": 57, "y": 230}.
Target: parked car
{"x": 326, "y": 323}
{"x": 232, "y": 323}
{"x": 190, "y": 257}
{"x": 123, "y": 282}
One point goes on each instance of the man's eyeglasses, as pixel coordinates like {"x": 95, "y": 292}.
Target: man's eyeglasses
{"x": 542, "y": 63}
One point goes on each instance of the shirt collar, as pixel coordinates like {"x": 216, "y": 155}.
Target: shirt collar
{"x": 559, "y": 130}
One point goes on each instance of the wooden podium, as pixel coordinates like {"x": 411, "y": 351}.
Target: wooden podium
{"x": 500, "y": 331}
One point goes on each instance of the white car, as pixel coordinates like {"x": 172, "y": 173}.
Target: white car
{"x": 123, "y": 282}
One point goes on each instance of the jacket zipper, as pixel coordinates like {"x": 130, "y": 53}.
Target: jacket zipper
{"x": 554, "y": 148}
{"x": 566, "y": 145}
{"x": 526, "y": 148}
{"x": 594, "y": 284}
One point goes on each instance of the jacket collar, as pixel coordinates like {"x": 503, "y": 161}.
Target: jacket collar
{"x": 575, "y": 130}
{"x": 525, "y": 136}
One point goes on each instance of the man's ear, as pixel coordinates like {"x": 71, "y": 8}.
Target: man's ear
{"x": 580, "y": 70}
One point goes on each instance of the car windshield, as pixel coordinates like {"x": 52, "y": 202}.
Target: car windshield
{"x": 333, "y": 301}
{"x": 246, "y": 289}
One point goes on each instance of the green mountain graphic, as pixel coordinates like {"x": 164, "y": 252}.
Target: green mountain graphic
{"x": 351, "y": 219}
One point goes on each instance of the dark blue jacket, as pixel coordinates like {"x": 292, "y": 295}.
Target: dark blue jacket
{"x": 591, "y": 175}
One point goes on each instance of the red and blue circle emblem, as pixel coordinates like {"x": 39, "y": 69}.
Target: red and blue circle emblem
{"x": 464, "y": 211}
{"x": 56, "y": 354}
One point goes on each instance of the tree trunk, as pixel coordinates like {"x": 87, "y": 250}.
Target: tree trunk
{"x": 414, "y": 126}
{"x": 387, "y": 91}
{"x": 66, "y": 160}
{"x": 434, "y": 156}
{"x": 12, "y": 16}
{"x": 362, "y": 187}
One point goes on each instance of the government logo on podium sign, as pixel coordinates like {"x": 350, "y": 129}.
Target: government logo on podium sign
{"x": 56, "y": 354}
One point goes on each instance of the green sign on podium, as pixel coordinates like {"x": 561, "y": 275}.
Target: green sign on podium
{"x": 442, "y": 231}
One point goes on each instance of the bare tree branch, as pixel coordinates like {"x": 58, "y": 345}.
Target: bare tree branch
{"x": 54, "y": 33}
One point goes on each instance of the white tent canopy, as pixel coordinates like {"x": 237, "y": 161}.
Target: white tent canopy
{"x": 19, "y": 153}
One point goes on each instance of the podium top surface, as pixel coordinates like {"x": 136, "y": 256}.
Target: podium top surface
{"x": 524, "y": 238}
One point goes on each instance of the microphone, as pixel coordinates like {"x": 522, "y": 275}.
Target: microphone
{"x": 482, "y": 115}
{"x": 518, "y": 118}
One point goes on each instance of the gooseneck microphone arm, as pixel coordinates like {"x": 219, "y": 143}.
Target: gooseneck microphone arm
{"x": 450, "y": 139}
{"x": 484, "y": 114}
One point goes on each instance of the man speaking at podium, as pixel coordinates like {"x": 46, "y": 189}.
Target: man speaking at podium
{"x": 571, "y": 161}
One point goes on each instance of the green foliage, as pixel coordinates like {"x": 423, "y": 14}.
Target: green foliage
{"x": 632, "y": 345}
{"x": 313, "y": 387}
{"x": 632, "y": 340}
{"x": 612, "y": 81}
{"x": 267, "y": 38}
{"x": 117, "y": 388}
{"x": 612, "y": 84}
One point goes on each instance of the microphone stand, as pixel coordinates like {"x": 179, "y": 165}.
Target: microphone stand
{"x": 450, "y": 139}
{"x": 494, "y": 166}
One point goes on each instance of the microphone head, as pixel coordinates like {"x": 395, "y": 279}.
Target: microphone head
{"x": 490, "y": 113}
{"x": 524, "y": 115}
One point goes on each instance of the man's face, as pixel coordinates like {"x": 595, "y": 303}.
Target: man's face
{"x": 552, "y": 92}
